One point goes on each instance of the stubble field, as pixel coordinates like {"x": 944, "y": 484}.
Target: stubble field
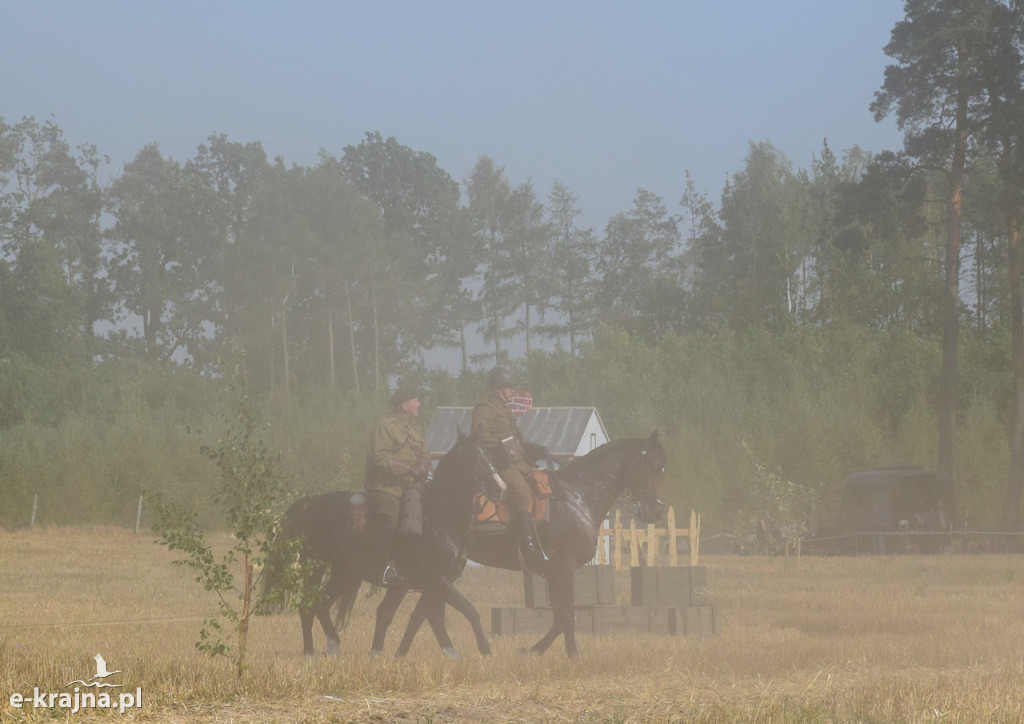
{"x": 895, "y": 639}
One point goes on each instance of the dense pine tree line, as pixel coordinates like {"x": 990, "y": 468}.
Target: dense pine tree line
{"x": 862, "y": 311}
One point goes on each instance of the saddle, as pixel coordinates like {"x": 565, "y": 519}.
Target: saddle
{"x": 410, "y": 520}
{"x": 489, "y": 510}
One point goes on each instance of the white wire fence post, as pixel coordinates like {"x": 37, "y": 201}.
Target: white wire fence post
{"x": 32, "y": 520}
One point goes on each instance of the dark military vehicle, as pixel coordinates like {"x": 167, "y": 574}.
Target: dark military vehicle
{"x": 892, "y": 510}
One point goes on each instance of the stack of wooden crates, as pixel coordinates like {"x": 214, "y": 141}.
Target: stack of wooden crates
{"x": 670, "y": 600}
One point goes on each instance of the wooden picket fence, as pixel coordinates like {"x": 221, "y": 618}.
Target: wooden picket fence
{"x": 618, "y": 534}
{"x": 665, "y": 596}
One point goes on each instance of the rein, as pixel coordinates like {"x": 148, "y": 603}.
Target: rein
{"x": 457, "y": 481}
{"x": 607, "y": 475}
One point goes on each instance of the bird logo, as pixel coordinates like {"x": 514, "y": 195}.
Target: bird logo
{"x": 101, "y": 669}
{"x": 101, "y": 673}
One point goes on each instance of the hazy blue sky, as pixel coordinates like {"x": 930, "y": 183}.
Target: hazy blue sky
{"x": 606, "y": 97}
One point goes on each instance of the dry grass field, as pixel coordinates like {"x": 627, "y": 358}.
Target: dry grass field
{"x": 897, "y": 639}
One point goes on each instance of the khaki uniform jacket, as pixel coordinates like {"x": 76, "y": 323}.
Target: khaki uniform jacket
{"x": 395, "y": 439}
{"x": 494, "y": 422}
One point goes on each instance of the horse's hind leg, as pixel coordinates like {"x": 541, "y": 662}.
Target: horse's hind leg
{"x": 332, "y": 592}
{"x": 385, "y": 615}
{"x": 306, "y": 617}
{"x": 560, "y": 584}
{"x": 307, "y": 614}
{"x": 568, "y": 626}
{"x": 323, "y": 615}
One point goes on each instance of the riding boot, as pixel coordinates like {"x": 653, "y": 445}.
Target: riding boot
{"x": 382, "y": 554}
{"x": 389, "y": 575}
{"x": 411, "y": 523}
{"x": 529, "y": 545}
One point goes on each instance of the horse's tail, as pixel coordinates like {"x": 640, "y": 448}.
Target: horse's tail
{"x": 281, "y": 557}
{"x": 346, "y": 601}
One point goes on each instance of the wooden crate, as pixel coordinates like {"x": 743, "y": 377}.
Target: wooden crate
{"x": 510, "y": 621}
{"x": 668, "y": 586}
{"x": 622, "y": 619}
{"x": 701, "y": 621}
{"x": 695, "y": 621}
{"x": 592, "y": 586}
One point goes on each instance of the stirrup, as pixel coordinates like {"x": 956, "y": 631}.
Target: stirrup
{"x": 391, "y": 577}
{"x": 533, "y": 556}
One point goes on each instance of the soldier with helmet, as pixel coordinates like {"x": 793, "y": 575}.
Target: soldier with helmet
{"x": 496, "y": 428}
{"x": 398, "y": 459}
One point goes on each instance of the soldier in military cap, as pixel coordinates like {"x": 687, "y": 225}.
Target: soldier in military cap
{"x": 496, "y": 428}
{"x": 398, "y": 459}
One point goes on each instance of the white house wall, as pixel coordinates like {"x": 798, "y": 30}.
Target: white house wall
{"x": 593, "y": 436}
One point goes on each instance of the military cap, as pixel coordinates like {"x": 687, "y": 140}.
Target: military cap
{"x": 404, "y": 394}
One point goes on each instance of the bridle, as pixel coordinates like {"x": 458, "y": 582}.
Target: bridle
{"x": 635, "y": 503}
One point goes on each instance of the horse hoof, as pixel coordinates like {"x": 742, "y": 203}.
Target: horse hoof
{"x": 333, "y": 650}
{"x": 450, "y": 652}
{"x": 374, "y": 653}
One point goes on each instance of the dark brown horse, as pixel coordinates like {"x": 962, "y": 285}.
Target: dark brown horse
{"x": 584, "y": 492}
{"x": 342, "y": 559}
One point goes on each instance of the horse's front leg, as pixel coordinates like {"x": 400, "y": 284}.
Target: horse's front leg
{"x": 462, "y": 604}
{"x": 385, "y": 615}
{"x": 426, "y": 610}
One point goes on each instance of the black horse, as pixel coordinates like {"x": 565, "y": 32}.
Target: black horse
{"x": 325, "y": 524}
{"x": 584, "y": 492}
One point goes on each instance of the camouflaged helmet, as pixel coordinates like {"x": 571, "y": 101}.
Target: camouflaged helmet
{"x": 500, "y": 377}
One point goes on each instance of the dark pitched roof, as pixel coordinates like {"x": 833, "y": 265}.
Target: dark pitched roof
{"x": 559, "y": 429}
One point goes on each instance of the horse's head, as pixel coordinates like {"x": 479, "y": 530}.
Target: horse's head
{"x": 643, "y": 474}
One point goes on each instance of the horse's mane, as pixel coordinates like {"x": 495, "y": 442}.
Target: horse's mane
{"x": 447, "y": 465}
{"x": 447, "y": 460}
{"x": 602, "y": 451}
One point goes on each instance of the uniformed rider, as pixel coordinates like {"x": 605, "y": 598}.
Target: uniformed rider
{"x": 496, "y": 428}
{"x": 397, "y": 461}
